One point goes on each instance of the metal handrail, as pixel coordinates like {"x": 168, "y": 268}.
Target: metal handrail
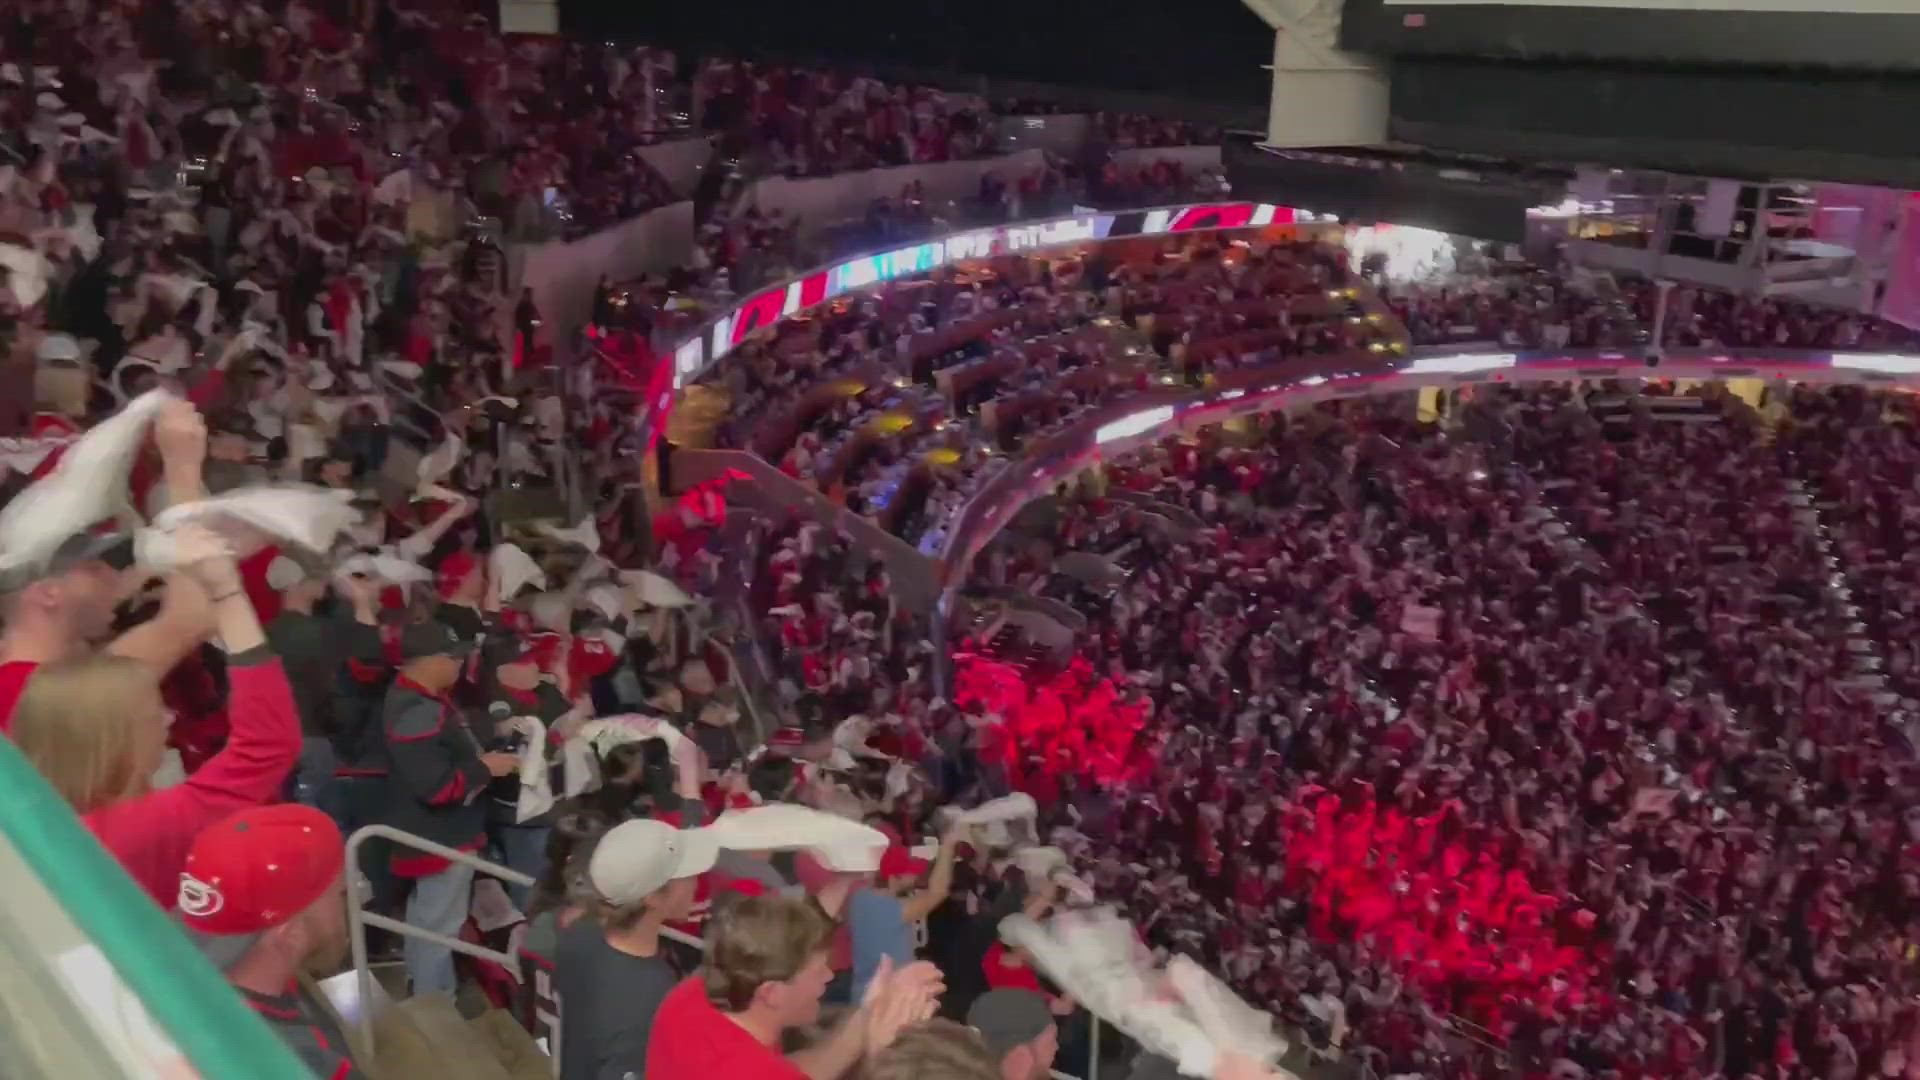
{"x": 358, "y": 918}
{"x": 400, "y": 398}
{"x": 360, "y": 891}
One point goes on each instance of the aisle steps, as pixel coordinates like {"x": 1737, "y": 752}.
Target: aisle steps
{"x": 1868, "y": 663}
{"x": 425, "y": 1036}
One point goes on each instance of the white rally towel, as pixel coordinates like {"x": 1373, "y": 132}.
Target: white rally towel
{"x": 610, "y": 731}
{"x": 607, "y": 599}
{"x": 584, "y": 534}
{"x": 580, "y": 769}
{"x": 850, "y": 741}
{"x": 385, "y": 567}
{"x": 434, "y": 468}
{"x": 25, "y": 455}
{"x": 996, "y": 817}
{"x": 1097, "y": 957}
{"x": 513, "y": 570}
{"x": 843, "y": 846}
{"x": 1039, "y": 863}
{"x": 1050, "y": 864}
{"x": 309, "y": 516}
{"x": 26, "y": 274}
{"x": 88, "y": 486}
{"x": 536, "y": 779}
{"x": 649, "y": 589}
{"x": 395, "y": 188}
{"x": 1232, "y": 1025}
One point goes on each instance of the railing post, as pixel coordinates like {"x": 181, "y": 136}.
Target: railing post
{"x": 358, "y": 920}
{"x": 358, "y": 890}
{"x": 1093, "y": 1049}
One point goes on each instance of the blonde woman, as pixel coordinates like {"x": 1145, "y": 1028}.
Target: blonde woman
{"x": 96, "y": 728}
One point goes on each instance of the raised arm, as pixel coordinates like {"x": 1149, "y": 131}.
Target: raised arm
{"x": 185, "y": 620}
{"x": 421, "y": 544}
{"x": 151, "y": 833}
{"x": 922, "y": 904}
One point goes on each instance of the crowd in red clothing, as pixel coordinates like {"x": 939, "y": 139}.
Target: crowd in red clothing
{"x": 1072, "y": 724}
{"x": 1027, "y": 348}
{"x": 812, "y": 123}
{"x": 1566, "y": 745}
{"x": 1437, "y": 909}
{"x": 1535, "y": 309}
{"x": 1581, "y": 729}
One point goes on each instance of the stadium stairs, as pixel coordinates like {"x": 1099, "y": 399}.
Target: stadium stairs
{"x": 427, "y": 1035}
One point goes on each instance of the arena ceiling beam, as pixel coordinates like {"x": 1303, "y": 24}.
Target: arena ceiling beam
{"x": 1322, "y": 94}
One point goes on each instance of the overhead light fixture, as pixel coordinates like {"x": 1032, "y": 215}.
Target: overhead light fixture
{"x": 1461, "y": 363}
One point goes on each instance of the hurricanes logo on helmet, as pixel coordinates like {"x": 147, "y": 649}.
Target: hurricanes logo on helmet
{"x": 197, "y": 898}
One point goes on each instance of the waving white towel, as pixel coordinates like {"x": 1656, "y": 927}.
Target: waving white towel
{"x": 1182, "y": 1014}
{"x": 88, "y": 486}
{"x": 582, "y": 534}
{"x": 513, "y": 570}
{"x": 436, "y": 466}
{"x": 536, "y": 779}
{"x": 649, "y": 589}
{"x": 608, "y": 600}
{"x": 610, "y": 731}
{"x": 26, "y": 276}
{"x": 595, "y": 738}
{"x": 385, "y": 567}
{"x": 25, "y": 455}
{"x": 311, "y": 517}
{"x": 1231, "y": 1024}
{"x": 844, "y": 846}
{"x": 996, "y": 818}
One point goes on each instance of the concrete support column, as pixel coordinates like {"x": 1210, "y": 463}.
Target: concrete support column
{"x": 1322, "y": 96}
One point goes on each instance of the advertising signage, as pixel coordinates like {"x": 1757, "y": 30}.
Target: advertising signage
{"x": 770, "y": 305}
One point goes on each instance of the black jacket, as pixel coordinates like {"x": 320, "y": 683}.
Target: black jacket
{"x": 307, "y": 1029}
{"x": 315, "y": 649}
{"x": 437, "y": 781}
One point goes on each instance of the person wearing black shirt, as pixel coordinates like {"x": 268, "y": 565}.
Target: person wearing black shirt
{"x": 518, "y": 690}
{"x": 526, "y": 325}
{"x": 314, "y": 648}
{"x": 611, "y": 973}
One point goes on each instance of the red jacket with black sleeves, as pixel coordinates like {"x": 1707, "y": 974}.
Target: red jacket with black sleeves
{"x": 436, "y": 779}
{"x": 150, "y": 834}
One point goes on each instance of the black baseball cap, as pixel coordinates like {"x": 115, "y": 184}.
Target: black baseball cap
{"x": 1008, "y": 1020}
{"x": 505, "y": 648}
{"x": 113, "y": 548}
{"x": 433, "y": 639}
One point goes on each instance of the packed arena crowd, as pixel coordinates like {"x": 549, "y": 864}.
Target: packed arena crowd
{"x": 900, "y": 408}
{"x": 1559, "y": 731}
{"x": 1529, "y": 308}
{"x": 1553, "y": 749}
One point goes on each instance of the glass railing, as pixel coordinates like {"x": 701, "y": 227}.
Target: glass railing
{"x": 97, "y": 981}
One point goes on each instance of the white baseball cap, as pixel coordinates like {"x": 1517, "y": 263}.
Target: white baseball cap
{"x": 640, "y": 857}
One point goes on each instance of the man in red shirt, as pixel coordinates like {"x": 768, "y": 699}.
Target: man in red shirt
{"x": 765, "y": 971}
{"x": 51, "y": 611}
{"x": 54, "y": 608}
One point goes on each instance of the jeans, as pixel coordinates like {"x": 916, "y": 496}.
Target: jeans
{"x": 314, "y": 772}
{"x": 439, "y": 903}
{"x": 353, "y": 801}
{"x": 523, "y": 848}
